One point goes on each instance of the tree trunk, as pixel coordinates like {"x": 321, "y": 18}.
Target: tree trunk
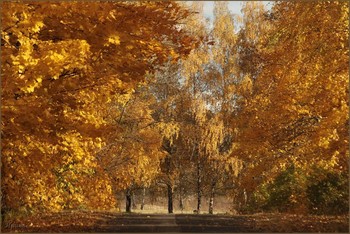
{"x": 170, "y": 199}
{"x": 211, "y": 199}
{"x": 133, "y": 203}
{"x": 181, "y": 205}
{"x": 245, "y": 197}
{"x": 143, "y": 198}
{"x": 199, "y": 188}
{"x": 211, "y": 204}
{"x": 128, "y": 201}
{"x": 169, "y": 183}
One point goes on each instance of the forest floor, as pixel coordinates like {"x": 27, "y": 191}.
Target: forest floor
{"x": 93, "y": 221}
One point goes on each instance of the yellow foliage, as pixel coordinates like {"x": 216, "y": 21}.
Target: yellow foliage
{"x": 114, "y": 39}
{"x": 296, "y": 113}
{"x": 59, "y": 82}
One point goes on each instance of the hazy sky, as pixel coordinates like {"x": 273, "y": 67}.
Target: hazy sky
{"x": 234, "y": 6}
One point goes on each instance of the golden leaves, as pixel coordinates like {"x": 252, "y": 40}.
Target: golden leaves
{"x": 169, "y": 130}
{"x": 294, "y": 115}
{"x": 114, "y": 39}
{"x": 60, "y": 82}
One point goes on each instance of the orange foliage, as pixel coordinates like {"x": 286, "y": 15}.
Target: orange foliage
{"x": 62, "y": 63}
{"x": 298, "y": 112}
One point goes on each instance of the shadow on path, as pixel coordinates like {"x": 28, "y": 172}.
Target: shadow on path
{"x": 90, "y": 221}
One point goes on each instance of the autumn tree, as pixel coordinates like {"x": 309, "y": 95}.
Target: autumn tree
{"x": 133, "y": 154}
{"x": 173, "y": 101}
{"x": 165, "y": 86}
{"x": 249, "y": 62}
{"x": 222, "y": 80}
{"x": 297, "y": 114}
{"x": 62, "y": 64}
{"x": 208, "y": 77}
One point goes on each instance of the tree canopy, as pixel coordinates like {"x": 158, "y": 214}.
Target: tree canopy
{"x": 103, "y": 98}
{"x": 64, "y": 67}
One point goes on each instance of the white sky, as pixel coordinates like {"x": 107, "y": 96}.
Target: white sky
{"x": 234, "y": 6}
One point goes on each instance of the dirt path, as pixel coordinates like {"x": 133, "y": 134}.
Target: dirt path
{"x": 79, "y": 221}
{"x": 141, "y": 223}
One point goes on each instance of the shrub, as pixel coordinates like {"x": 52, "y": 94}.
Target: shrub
{"x": 328, "y": 192}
